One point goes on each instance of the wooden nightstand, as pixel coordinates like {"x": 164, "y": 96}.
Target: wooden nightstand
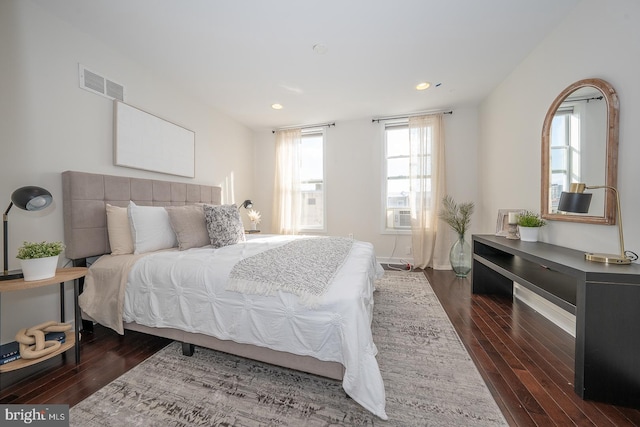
{"x": 73, "y": 338}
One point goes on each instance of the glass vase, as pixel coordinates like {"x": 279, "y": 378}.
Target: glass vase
{"x": 460, "y": 257}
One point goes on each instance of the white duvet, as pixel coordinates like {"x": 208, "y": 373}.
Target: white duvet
{"x": 186, "y": 290}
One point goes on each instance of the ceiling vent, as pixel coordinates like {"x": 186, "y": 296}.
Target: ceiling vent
{"x": 101, "y": 85}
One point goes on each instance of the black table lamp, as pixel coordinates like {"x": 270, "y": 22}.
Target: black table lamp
{"x": 577, "y": 201}
{"x": 28, "y": 198}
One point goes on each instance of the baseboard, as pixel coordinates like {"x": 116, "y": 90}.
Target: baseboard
{"x": 566, "y": 321}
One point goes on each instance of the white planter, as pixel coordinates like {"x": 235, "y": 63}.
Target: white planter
{"x": 39, "y": 268}
{"x": 529, "y": 234}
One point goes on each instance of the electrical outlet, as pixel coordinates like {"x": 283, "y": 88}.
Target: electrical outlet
{"x": 350, "y": 235}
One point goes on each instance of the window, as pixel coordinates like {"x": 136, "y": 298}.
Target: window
{"x": 397, "y": 203}
{"x": 565, "y": 152}
{"x": 396, "y": 200}
{"x": 312, "y": 180}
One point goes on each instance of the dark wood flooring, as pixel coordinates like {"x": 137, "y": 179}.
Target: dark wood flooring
{"x": 526, "y": 361}
{"x": 104, "y": 356}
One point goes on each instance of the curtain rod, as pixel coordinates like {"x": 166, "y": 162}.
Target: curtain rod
{"x": 426, "y": 113}
{"x": 319, "y": 125}
{"x": 593, "y": 98}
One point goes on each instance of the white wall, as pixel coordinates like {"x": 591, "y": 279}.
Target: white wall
{"x": 598, "y": 39}
{"x": 493, "y": 154}
{"x": 50, "y": 125}
{"x": 354, "y": 181}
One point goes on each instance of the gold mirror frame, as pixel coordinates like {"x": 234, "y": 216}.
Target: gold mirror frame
{"x": 611, "y": 169}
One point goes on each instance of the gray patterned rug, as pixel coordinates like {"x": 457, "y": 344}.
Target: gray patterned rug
{"x": 429, "y": 378}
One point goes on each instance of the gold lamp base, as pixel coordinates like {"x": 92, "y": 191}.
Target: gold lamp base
{"x": 607, "y": 258}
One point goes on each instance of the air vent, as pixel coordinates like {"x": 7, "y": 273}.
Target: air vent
{"x": 94, "y": 82}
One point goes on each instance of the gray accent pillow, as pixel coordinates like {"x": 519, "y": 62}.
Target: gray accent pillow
{"x": 189, "y": 225}
{"x": 224, "y": 225}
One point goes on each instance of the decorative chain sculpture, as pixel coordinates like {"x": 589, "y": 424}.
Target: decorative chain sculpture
{"x": 32, "y": 340}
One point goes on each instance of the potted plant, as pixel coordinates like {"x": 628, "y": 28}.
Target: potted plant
{"x": 39, "y": 260}
{"x": 458, "y": 217}
{"x": 529, "y": 224}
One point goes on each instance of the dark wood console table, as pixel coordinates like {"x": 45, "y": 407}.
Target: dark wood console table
{"x": 604, "y": 298}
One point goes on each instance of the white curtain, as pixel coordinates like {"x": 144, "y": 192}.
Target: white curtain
{"x": 286, "y": 206}
{"x": 427, "y": 188}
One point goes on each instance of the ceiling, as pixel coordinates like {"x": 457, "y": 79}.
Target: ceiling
{"x": 240, "y": 57}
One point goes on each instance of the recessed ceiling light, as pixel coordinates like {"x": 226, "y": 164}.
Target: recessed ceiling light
{"x": 320, "y": 48}
{"x": 423, "y": 86}
{"x": 276, "y": 106}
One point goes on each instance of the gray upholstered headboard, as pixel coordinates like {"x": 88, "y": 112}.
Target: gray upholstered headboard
{"x": 85, "y": 196}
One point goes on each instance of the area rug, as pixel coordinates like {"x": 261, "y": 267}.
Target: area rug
{"x": 430, "y": 380}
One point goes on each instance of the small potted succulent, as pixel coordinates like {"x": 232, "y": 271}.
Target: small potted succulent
{"x": 529, "y": 224}
{"x": 39, "y": 260}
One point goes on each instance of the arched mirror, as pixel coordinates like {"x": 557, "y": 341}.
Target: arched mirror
{"x": 580, "y": 144}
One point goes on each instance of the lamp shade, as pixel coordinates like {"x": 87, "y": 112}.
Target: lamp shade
{"x": 574, "y": 202}
{"x": 31, "y": 198}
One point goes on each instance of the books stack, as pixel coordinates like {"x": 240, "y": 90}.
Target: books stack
{"x": 11, "y": 351}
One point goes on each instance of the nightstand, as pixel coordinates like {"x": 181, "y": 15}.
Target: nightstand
{"x": 251, "y": 231}
{"x": 73, "y": 338}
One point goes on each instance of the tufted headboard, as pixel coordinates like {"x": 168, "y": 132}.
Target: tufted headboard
{"x": 85, "y": 196}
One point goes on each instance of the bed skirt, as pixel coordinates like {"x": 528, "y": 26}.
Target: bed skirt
{"x": 333, "y": 370}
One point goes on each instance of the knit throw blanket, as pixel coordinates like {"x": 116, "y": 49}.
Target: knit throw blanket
{"x": 304, "y": 267}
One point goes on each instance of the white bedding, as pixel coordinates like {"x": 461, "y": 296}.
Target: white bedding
{"x": 186, "y": 290}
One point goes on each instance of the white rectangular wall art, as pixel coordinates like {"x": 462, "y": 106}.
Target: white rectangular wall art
{"x": 144, "y": 141}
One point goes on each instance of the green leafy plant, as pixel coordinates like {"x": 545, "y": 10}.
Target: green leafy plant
{"x": 30, "y": 250}
{"x": 530, "y": 219}
{"x": 457, "y": 216}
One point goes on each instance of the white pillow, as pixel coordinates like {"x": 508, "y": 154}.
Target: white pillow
{"x": 119, "y": 230}
{"x": 150, "y": 228}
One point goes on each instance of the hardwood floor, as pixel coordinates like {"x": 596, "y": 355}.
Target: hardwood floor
{"x": 526, "y": 361}
{"x": 104, "y": 356}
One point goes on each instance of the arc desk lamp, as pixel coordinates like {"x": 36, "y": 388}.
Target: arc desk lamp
{"x": 28, "y": 198}
{"x": 247, "y": 204}
{"x": 577, "y": 201}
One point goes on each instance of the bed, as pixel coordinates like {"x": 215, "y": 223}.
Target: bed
{"x": 199, "y": 296}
